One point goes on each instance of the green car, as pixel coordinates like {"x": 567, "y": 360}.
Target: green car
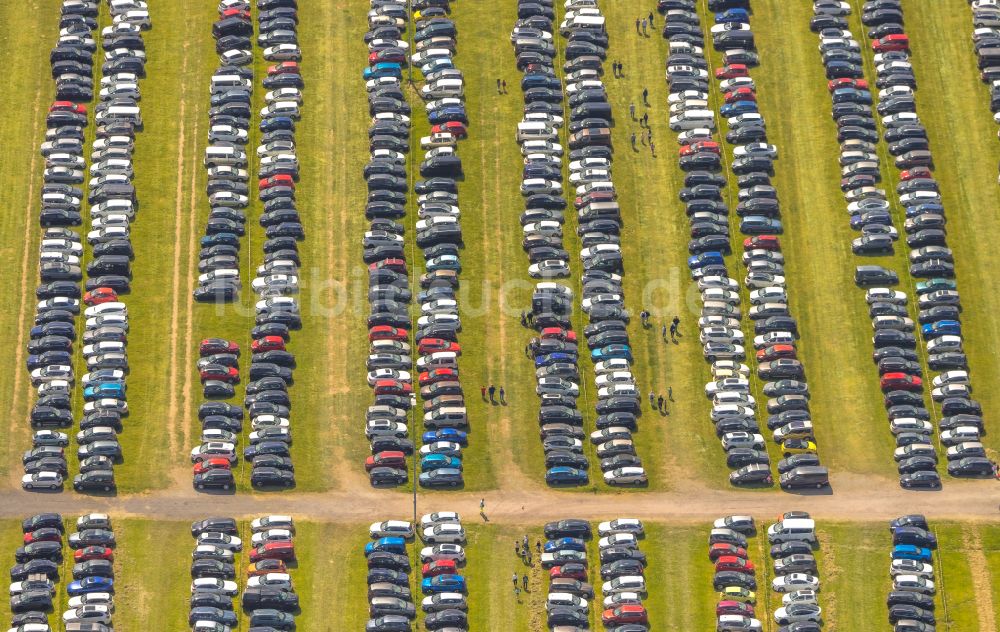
{"x": 931, "y": 285}
{"x": 738, "y": 593}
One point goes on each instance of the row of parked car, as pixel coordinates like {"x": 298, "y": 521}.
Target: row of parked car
{"x": 796, "y": 577}
{"x": 624, "y": 564}
{"x": 735, "y": 609}
{"x": 389, "y": 292}
{"x": 734, "y": 408}
{"x": 568, "y": 600}
{"x": 931, "y": 260}
{"x": 900, "y": 378}
{"x": 554, "y": 350}
{"x": 599, "y": 229}
{"x": 986, "y": 44}
{"x": 439, "y": 235}
{"x": 35, "y": 576}
{"x": 391, "y": 605}
{"x": 911, "y": 600}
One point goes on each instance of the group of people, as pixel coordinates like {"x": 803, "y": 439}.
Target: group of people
{"x": 659, "y": 403}
{"x": 673, "y": 328}
{"x": 646, "y": 137}
{"x": 642, "y": 24}
{"x": 522, "y": 549}
{"x": 493, "y": 392}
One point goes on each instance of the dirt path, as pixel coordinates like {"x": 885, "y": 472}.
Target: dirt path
{"x": 981, "y": 578}
{"x": 21, "y": 392}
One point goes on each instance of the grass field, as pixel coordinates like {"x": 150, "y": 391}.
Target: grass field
{"x": 152, "y": 576}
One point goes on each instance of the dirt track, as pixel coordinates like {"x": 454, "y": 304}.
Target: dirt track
{"x": 854, "y": 499}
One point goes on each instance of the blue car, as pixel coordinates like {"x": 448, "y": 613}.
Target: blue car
{"x": 448, "y": 113}
{"x": 760, "y": 225}
{"x": 871, "y": 217}
{"x": 90, "y": 585}
{"x": 852, "y": 95}
{"x": 277, "y": 122}
{"x": 444, "y": 262}
{"x": 738, "y": 107}
{"x": 383, "y": 69}
{"x": 931, "y": 285}
{"x": 443, "y": 477}
{"x": 732, "y": 15}
{"x": 553, "y": 358}
{"x": 573, "y": 544}
{"x": 104, "y": 389}
{"x": 564, "y": 475}
{"x": 383, "y": 545}
{"x": 911, "y": 552}
{"x": 840, "y": 69}
{"x": 538, "y": 80}
{"x": 442, "y": 584}
{"x": 220, "y": 239}
{"x": 928, "y": 207}
{"x": 445, "y": 434}
{"x": 610, "y": 352}
{"x": 438, "y": 461}
{"x": 712, "y": 257}
{"x": 942, "y": 328}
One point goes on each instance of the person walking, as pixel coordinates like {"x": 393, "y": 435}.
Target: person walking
{"x": 538, "y": 546}
{"x": 670, "y": 393}
{"x": 524, "y": 582}
{"x": 651, "y": 18}
{"x": 517, "y": 591}
{"x": 621, "y": 70}
{"x": 637, "y": 22}
{"x": 677, "y": 323}
{"x": 482, "y": 391}
{"x": 503, "y": 399}
{"x": 644, "y": 26}
{"x": 632, "y": 138}
{"x": 652, "y": 399}
{"x": 663, "y": 334}
{"x": 659, "y": 403}
{"x": 503, "y": 83}
{"x": 652, "y": 148}
{"x": 645, "y": 96}
{"x": 645, "y": 119}
{"x": 631, "y": 110}
{"x": 673, "y": 331}
{"x": 498, "y": 86}
{"x": 492, "y": 391}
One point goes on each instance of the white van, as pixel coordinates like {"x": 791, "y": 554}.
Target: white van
{"x": 581, "y": 21}
{"x": 691, "y": 119}
{"x": 443, "y": 88}
{"x": 535, "y": 131}
{"x": 120, "y": 113}
{"x": 231, "y": 156}
{"x": 221, "y": 83}
{"x": 792, "y": 529}
{"x": 281, "y": 108}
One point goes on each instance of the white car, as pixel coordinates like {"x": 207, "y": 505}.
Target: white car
{"x": 618, "y": 539}
{"x": 222, "y": 540}
{"x": 266, "y": 523}
{"x": 731, "y": 365}
{"x": 885, "y": 295}
{"x": 42, "y": 480}
{"x": 720, "y": 334}
{"x": 387, "y": 528}
{"x": 805, "y": 595}
{"x": 773, "y": 338}
{"x": 565, "y": 600}
{"x": 951, "y": 377}
{"x": 621, "y": 525}
{"x": 439, "y": 517}
{"x": 280, "y": 581}
{"x": 770, "y": 294}
{"x": 448, "y": 532}
{"x": 94, "y": 613}
{"x": 621, "y": 599}
{"x": 796, "y": 612}
{"x": 730, "y": 411}
{"x": 732, "y": 440}
{"x": 735, "y": 622}
{"x": 618, "y": 377}
{"x": 720, "y": 282}
{"x": 951, "y": 390}
{"x": 442, "y": 552}
{"x": 626, "y": 476}
{"x": 911, "y": 567}
{"x": 291, "y": 52}
{"x": 214, "y": 450}
{"x": 737, "y": 384}
{"x": 215, "y": 585}
{"x": 795, "y": 581}
{"x": 271, "y": 535}
{"x": 626, "y": 583}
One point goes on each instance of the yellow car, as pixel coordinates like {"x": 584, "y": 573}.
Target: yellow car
{"x": 738, "y": 593}
{"x": 797, "y": 446}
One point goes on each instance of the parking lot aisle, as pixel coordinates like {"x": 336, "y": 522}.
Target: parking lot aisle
{"x": 490, "y": 562}
{"x": 152, "y": 576}
{"x": 31, "y": 33}
{"x": 330, "y": 576}
{"x": 759, "y": 550}
{"x": 168, "y": 184}
{"x": 957, "y": 603}
{"x": 679, "y": 577}
{"x": 963, "y": 139}
{"x": 989, "y": 540}
{"x": 10, "y": 538}
{"x": 835, "y": 337}
{"x": 853, "y": 565}
{"x": 677, "y": 446}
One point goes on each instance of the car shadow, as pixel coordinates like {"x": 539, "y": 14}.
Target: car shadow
{"x": 272, "y": 488}
{"x": 823, "y": 491}
{"x": 216, "y": 492}
{"x": 99, "y": 493}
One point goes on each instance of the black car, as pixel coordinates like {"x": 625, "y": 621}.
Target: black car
{"x": 450, "y": 618}
{"x": 220, "y": 525}
{"x": 39, "y": 550}
{"x": 95, "y": 480}
{"x": 271, "y": 477}
{"x": 214, "y": 479}
{"x": 212, "y": 568}
{"x": 20, "y": 572}
{"x": 568, "y": 528}
{"x": 282, "y": 600}
{"x": 34, "y": 600}
{"x": 93, "y": 568}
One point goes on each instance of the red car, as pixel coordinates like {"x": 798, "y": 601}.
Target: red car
{"x": 454, "y": 127}
{"x": 99, "y": 295}
{"x": 220, "y": 372}
{"x": 901, "y": 381}
{"x": 595, "y": 196}
{"x": 386, "y": 332}
{"x": 915, "y": 172}
{"x": 846, "y": 82}
{"x": 273, "y": 551}
{"x": 558, "y": 333}
{"x": 733, "y": 563}
{"x": 389, "y": 458}
{"x": 280, "y": 180}
{"x": 265, "y": 566}
{"x": 720, "y": 549}
{"x": 236, "y": 13}
{"x": 896, "y": 41}
{"x": 731, "y": 71}
{"x": 43, "y": 535}
{"x": 433, "y": 345}
{"x": 629, "y": 613}
{"x": 211, "y": 464}
{"x": 386, "y": 56}
{"x": 211, "y": 346}
{"x": 396, "y": 265}
{"x": 392, "y": 387}
{"x": 572, "y": 570}
{"x": 776, "y": 351}
{"x": 740, "y": 94}
{"x": 93, "y": 553}
{"x": 437, "y": 375}
{"x": 705, "y": 145}
{"x": 764, "y": 242}
{"x": 67, "y": 106}
{"x": 439, "y": 567}
{"x": 268, "y": 343}
{"x": 733, "y": 607}
{"x": 283, "y": 67}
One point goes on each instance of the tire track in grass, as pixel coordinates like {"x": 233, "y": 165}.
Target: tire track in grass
{"x": 173, "y": 433}
{"x": 20, "y": 391}
{"x": 981, "y": 578}
{"x": 192, "y": 231}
